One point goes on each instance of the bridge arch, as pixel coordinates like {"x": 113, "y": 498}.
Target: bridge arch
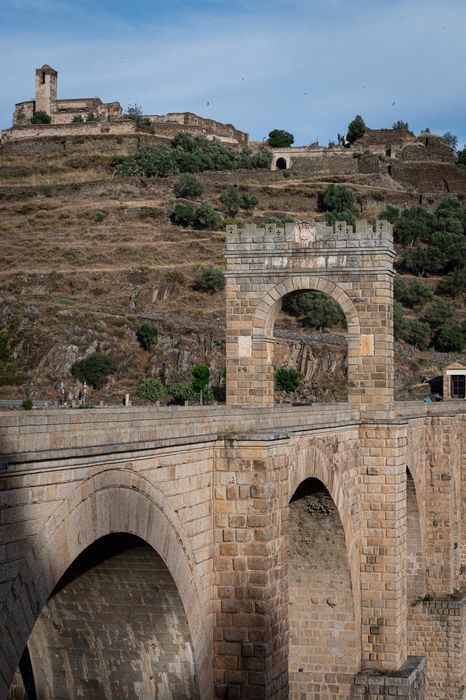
{"x": 324, "y": 585}
{"x": 112, "y": 501}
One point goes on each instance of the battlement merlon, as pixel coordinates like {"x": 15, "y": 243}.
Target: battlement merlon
{"x": 310, "y": 235}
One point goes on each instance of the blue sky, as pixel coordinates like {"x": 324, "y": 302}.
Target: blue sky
{"x": 307, "y": 66}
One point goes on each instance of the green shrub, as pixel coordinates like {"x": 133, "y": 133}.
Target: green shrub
{"x": 146, "y": 335}
{"x": 100, "y": 215}
{"x": 461, "y": 162}
{"x": 389, "y": 213}
{"x": 453, "y": 283}
{"x": 248, "y": 201}
{"x": 356, "y": 129}
{"x": 316, "y": 309}
{"x": 231, "y": 199}
{"x": 414, "y": 223}
{"x": 189, "y": 154}
{"x": 182, "y": 392}
{"x": 331, "y": 217}
{"x": 210, "y": 279}
{"x": 399, "y": 322}
{"x": 27, "y": 404}
{"x": 438, "y": 313}
{"x": 189, "y": 185}
{"x": 183, "y": 214}
{"x": 286, "y": 379}
{"x": 205, "y": 217}
{"x": 338, "y": 198}
{"x": 400, "y": 125}
{"x": 412, "y": 293}
{"x": 150, "y": 161}
{"x": 424, "y": 261}
{"x": 449, "y": 337}
{"x": 94, "y": 369}
{"x": 41, "y": 117}
{"x": 77, "y": 119}
{"x": 201, "y": 376}
{"x": 417, "y": 333}
{"x": 151, "y": 389}
{"x": 278, "y": 138}
{"x": 278, "y": 220}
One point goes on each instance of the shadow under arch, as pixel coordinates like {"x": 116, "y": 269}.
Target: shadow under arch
{"x": 111, "y": 501}
{"x": 416, "y": 573}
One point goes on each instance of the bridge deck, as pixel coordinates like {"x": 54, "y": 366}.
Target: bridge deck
{"x": 57, "y": 434}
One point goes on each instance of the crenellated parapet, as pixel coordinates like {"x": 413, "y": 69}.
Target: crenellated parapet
{"x": 309, "y": 234}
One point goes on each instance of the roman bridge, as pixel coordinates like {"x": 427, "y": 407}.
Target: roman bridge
{"x": 250, "y": 550}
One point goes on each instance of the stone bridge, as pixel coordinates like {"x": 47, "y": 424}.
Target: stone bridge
{"x": 250, "y": 550}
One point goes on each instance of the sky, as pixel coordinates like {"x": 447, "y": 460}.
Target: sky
{"x": 307, "y": 66}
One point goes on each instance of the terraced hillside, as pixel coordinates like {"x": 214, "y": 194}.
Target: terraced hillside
{"x": 88, "y": 256}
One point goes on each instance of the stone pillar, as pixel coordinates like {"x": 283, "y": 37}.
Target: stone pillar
{"x": 383, "y": 545}
{"x": 250, "y": 573}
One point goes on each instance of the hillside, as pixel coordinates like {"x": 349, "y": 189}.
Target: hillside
{"x": 88, "y": 256}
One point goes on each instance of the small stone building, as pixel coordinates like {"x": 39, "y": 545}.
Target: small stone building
{"x": 454, "y": 381}
{"x": 62, "y": 111}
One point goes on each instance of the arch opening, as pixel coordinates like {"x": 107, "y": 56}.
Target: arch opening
{"x": 281, "y": 164}
{"x": 113, "y": 627}
{"x": 310, "y": 332}
{"x": 324, "y": 643}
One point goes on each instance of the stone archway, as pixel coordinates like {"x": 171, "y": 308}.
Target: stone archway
{"x": 355, "y": 268}
{"x": 114, "y": 500}
{"x": 281, "y": 164}
{"x": 114, "y": 627}
{"x": 266, "y": 314}
{"x": 324, "y": 651}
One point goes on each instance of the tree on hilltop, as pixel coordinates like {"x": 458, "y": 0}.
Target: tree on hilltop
{"x": 278, "y": 138}
{"x": 451, "y": 140}
{"x": 400, "y": 125}
{"x": 356, "y": 129}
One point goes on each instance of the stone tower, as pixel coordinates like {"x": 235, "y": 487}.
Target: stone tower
{"x": 46, "y": 88}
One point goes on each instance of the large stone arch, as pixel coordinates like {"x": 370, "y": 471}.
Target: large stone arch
{"x": 330, "y": 593}
{"x": 307, "y": 460}
{"x": 113, "y": 500}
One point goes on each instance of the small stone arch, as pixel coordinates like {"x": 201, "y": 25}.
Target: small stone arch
{"x": 306, "y": 460}
{"x": 268, "y": 309}
{"x": 270, "y": 304}
{"x": 114, "y": 500}
{"x": 281, "y": 163}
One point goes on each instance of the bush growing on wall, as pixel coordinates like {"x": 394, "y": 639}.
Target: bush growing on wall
{"x": 40, "y": 117}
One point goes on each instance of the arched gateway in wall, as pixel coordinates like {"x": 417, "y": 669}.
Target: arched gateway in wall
{"x": 353, "y": 267}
